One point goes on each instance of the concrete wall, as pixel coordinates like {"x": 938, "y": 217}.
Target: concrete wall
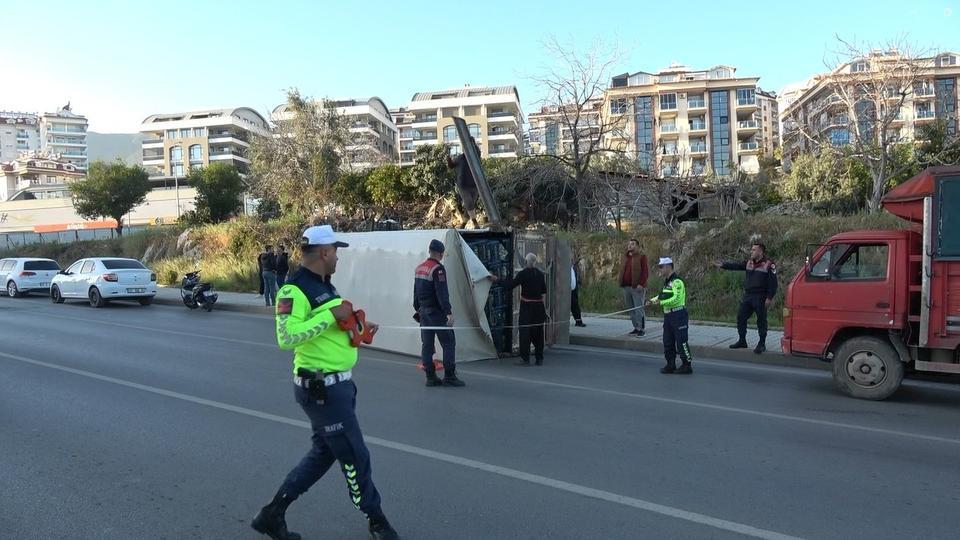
{"x": 161, "y": 205}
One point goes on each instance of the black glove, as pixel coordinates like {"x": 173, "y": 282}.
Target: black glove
{"x": 416, "y": 317}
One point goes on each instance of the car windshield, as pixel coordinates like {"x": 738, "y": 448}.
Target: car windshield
{"x": 122, "y": 264}
{"x": 41, "y": 265}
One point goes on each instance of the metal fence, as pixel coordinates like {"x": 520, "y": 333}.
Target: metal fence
{"x": 13, "y": 240}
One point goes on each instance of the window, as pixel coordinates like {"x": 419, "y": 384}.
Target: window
{"x": 199, "y": 132}
{"x": 668, "y": 78}
{"x": 172, "y": 134}
{"x": 644, "y": 134}
{"x": 946, "y": 92}
{"x": 41, "y": 265}
{"x": 720, "y": 131}
{"x": 122, "y": 264}
{"x": 695, "y": 101}
{"x": 88, "y": 267}
{"x": 454, "y": 150}
{"x": 196, "y": 153}
{"x": 7, "y": 265}
{"x": 177, "y": 170}
{"x": 852, "y": 262}
{"x": 184, "y": 133}
{"x": 668, "y": 126}
{"x": 668, "y": 102}
{"x": 618, "y": 106}
{"x": 746, "y": 96}
{"x": 859, "y": 67}
{"x": 474, "y": 130}
{"x": 176, "y": 154}
{"x": 450, "y": 134}
{"x": 698, "y": 122}
{"x": 670, "y": 148}
{"x": 75, "y": 267}
{"x": 948, "y": 60}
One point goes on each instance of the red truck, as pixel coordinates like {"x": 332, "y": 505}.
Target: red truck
{"x": 878, "y": 304}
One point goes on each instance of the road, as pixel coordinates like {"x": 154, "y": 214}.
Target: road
{"x": 157, "y": 422}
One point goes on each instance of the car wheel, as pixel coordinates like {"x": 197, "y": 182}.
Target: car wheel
{"x": 96, "y": 299}
{"x": 145, "y": 301}
{"x": 12, "y": 290}
{"x": 55, "y": 295}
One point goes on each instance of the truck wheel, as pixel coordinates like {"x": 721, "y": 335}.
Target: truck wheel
{"x": 867, "y": 368}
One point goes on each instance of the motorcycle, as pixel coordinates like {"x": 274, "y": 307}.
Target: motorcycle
{"x": 196, "y": 294}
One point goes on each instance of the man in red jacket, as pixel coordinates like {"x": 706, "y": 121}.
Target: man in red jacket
{"x": 633, "y": 280}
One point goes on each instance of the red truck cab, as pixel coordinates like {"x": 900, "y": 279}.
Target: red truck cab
{"x": 879, "y": 303}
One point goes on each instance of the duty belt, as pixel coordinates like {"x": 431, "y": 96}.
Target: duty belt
{"x": 522, "y": 299}
{"x": 674, "y": 310}
{"x": 328, "y": 380}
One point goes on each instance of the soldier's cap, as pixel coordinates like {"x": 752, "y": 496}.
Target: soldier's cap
{"x": 321, "y": 235}
{"x": 664, "y": 261}
{"x": 436, "y": 246}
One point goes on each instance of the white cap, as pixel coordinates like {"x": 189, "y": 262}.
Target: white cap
{"x": 321, "y": 235}
{"x": 665, "y": 261}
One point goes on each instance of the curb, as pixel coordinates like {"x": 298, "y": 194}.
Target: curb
{"x": 713, "y": 353}
{"x": 225, "y": 306}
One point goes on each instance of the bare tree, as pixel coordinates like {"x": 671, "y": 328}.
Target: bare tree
{"x": 573, "y": 89}
{"x": 298, "y": 163}
{"x": 858, "y": 113}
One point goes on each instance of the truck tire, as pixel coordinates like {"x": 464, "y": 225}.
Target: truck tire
{"x": 867, "y": 368}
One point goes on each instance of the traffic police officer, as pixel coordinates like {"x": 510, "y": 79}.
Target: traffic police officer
{"x": 759, "y": 290}
{"x": 676, "y": 320}
{"x": 432, "y": 309}
{"x": 309, "y": 314}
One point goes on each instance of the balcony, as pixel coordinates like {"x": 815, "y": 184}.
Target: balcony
{"x": 501, "y": 135}
{"x": 696, "y": 104}
{"x": 669, "y": 130}
{"x": 698, "y": 126}
{"x": 925, "y": 115}
{"x": 424, "y": 121}
{"x": 503, "y": 116}
{"x": 226, "y": 138}
{"x": 227, "y": 156}
{"x": 67, "y": 131}
{"x": 698, "y": 148}
{"x": 747, "y": 103}
{"x": 925, "y": 92}
{"x": 749, "y": 147}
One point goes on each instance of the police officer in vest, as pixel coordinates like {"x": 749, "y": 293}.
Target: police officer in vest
{"x": 676, "y": 321}
{"x": 313, "y": 321}
{"x": 759, "y": 290}
{"x": 432, "y": 309}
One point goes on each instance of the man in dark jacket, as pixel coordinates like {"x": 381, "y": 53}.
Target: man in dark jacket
{"x": 283, "y": 265}
{"x": 759, "y": 290}
{"x": 533, "y": 312}
{"x": 431, "y": 303}
{"x": 268, "y": 274}
{"x": 633, "y": 280}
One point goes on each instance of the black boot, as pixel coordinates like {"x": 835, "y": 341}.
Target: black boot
{"x": 668, "y": 369}
{"x": 740, "y": 344}
{"x": 432, "y": 379}
{"x": 760, "y": 348}
{"x": 525, "y": 362}
{"x": 685, "y": 369}
{"x": 450, "y": 378}
{"x": 380, "y": 529}
{"x": 271, "y": 520}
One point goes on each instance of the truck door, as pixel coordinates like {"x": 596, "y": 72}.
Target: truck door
{"x": 857, "y": 285}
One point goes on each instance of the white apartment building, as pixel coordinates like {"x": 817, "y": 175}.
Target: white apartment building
{"x": 493, "y": 115}
{"x": 175, "y": 143}
{"x": 37, "y": 175}
{"x": 552, "y": 128}
{"x": 819, "y": 113}
{"x": 63, "y": 132}
{"x": 373, "y": 131}
{"x": 683, "y": 122}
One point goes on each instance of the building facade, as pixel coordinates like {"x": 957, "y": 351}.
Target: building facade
{"x": 552, "y": 128}
{"x": 768, "y": 115}
{"x": 37, "y": 175}
{"x": 176, "y": 143}
{"x": 683, "y": 122}
{"x": 373, "y": 131}
{"x": 833, "y": 108}
{"x": 493, "y": 116}
{"x": 63, "y": 132}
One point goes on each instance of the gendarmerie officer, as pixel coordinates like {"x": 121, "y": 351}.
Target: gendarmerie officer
{"x": 432, "y": 309}
{"x": 314, "y": 322}
{"x": 759, "y": 290}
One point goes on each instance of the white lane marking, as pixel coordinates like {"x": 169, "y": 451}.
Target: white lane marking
{"x": 669, "y": 511}
{"x": 647, "y": 397}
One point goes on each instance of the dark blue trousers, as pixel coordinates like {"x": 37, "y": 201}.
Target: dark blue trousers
{"x": 676, "y": 326}
{"x": 753, "y": 303}
{"x": 336, "y": 437}
{"x": 428, "y": 338}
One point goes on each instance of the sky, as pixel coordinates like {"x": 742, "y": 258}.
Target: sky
{"x": 118, "y": 62}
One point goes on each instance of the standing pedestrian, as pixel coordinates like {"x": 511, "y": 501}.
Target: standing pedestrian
{"x": 283, "y": 265}
{"x": 759, "y": 290}
{"x": 268, "y": 273}
{"x": 575, "y": 296}
{"x": 431, "y": 304}
{"x": 633, "y": 281}
{"x": 309, "y": 313}
{"x": 260, "y": 273}
{"x": 676, "y": 320}
{"x": 533, "y": 311}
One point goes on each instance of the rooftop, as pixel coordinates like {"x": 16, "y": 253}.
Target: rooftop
{"x": 467, "y": 91}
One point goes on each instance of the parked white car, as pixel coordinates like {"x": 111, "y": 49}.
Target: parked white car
{"x": 102, "y": 279}
{"x": 23, "y": 276}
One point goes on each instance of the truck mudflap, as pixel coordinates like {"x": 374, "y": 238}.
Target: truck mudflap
{"x": 785, "y": 345}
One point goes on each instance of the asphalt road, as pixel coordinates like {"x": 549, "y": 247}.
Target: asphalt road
{"x": 157, "y": 422}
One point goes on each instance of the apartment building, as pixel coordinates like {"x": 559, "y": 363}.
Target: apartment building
{"x": 684, "y": 122}
{"x": 493, "y": 115}
{"x": 552, "y": 128}
{"x": 373, "y": 131}
{"x": 37, "y": 175}
{"x": 820, "y": 114}
{"x": 62, "y": 132}
{"x": 175, "y": 143}
{"x": 769, "y": 118}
